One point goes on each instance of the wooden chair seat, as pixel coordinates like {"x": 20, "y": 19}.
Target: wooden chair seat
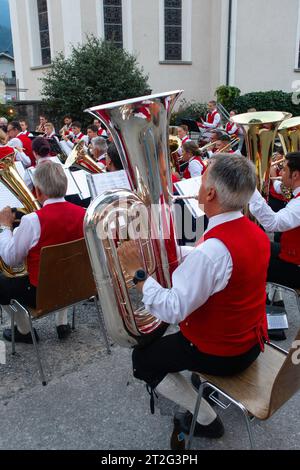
{"x": 253, "y": 387}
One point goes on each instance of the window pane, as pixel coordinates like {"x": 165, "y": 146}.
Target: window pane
{"x": 113, "y": 27}
{"x": 46, "y": 56}
{"x": 173, "y": 30}
{"x": 43, "y": 21}
{"x": 42, "y": 6}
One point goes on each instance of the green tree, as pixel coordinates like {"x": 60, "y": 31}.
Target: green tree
{"x": 96, "y": 72}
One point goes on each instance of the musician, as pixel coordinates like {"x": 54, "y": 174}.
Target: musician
{"x": 113, "y": 161}
{"x": 92, "y": 133}
{"x": 41, "y": 150}
{"x": 218, "y": 302}
{"x": 57, "y": 222}
{"x": 49, "y": 131}
{"x": 183, "y": 133}
{"x": 231, "y": 128}
{"x": 76, "y": 136}
{"x": 67, "y": 127}
{"x": 284, "y": 266}
{"x": 224, "y": 145}
{"x": 99, "y": 149}
{"x": 20, "y": 141}
{"x": 5, "y": 149}
{"x": 101, "y": 132}
{"x": 41, "y": 126}
{"x": 24, "y": 127}
{"x": 277, "y": 200}
{"x": 192, "y": 155}
{"x": 3, "y": 123}
{"x": 11, "y": 146}
{"x": 213, "y": 117}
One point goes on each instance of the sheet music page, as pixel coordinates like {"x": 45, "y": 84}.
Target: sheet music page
{"x": 81, "y": 180}
{"x": 277, "y": 322}
{"x": 107, "y": 181}
{"x": 72, "y": 185}
{"x": 191, "y": 187}
{"x": 7, "y": 199}
{"x": 20, "y": 169}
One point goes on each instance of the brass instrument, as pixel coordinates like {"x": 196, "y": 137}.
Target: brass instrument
{"x": 230, "y": 144}
{"x": 10, "y": 177}
{"x": 260, "y": 130}
{"x": 175, "y": 144}
{"x": 289, "y": 134}
{"x": 80, "y": 159}
{"x": 139, "y": 128}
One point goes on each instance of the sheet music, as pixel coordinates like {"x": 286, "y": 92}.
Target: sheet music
{"x": 102, "y": 182}
{"x": 278, "y": 321}
{"x": 20, "y": 169}
{"x": 73, "y": 188}
{"x": 81, "y": 180}
{"x": 191, "y": 187}
{"x": 7, "y": 199}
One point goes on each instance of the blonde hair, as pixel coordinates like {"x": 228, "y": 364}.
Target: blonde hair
{"x": 3, "y": 137}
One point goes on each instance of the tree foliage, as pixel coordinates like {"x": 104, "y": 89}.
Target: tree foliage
{"x": 96, "y": 72}
{"x": 226, "y": 95}
{"x": 267, "y": 101}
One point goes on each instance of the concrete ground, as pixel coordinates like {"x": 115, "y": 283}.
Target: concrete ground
{"x": 92, "y": 401}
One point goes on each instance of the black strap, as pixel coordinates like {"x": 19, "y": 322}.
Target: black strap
{"x": 153, "y": 395}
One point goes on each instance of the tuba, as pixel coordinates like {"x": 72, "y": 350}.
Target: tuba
{"x": 289, "y": 134}
{"x": 139, "y": 128}
{"x": 10, "y": 177}
{"x": 260, "y": 130}
{"x": 80, "y": 159}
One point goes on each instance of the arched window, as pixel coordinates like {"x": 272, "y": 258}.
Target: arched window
{"x": 44, "y": 31}
{"x": 113, "y": 25}
{"x": 173, "y": 29}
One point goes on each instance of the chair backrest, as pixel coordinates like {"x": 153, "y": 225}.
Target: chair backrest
{"x": 65, "y": 276}
{"x": 287, "y": 381}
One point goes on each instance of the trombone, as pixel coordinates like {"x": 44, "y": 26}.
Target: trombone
{"x": 230, "y": 144}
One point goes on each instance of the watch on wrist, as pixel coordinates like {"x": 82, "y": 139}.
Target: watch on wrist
{"x": 140, "y": 276}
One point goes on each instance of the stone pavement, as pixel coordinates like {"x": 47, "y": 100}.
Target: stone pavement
{"x": 93, "y": 402}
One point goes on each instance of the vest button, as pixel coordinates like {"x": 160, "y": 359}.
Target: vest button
{"x": 186, "y": 324}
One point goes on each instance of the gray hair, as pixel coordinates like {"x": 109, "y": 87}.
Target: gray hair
{"x": 4, "y": 121}
{"x": 234, "y": 180}
{"x": 99, "y": 143}
{"x": 51, "y": 180}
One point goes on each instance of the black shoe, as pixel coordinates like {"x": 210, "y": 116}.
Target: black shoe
{"x": 214, "y": 430}
{"x": 63, "y": 331}
{"x": 19, "y": 338}
{"x": 195, "y": 379}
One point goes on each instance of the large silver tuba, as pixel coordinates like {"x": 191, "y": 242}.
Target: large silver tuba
{"x": 140, "y": 130}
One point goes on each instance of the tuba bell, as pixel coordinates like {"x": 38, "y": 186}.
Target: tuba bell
{"x": 139, "y": 128}
{"x": 260, "y": 130}
{"x": 10, "y": 177}
{"x": 81, "y": 160}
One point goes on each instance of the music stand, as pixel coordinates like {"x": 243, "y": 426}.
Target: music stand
{"x": 192, "y": 125}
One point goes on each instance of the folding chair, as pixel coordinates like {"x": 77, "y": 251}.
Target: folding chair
{"x": 65, "y": 280}
{"x": 260, "y": 390}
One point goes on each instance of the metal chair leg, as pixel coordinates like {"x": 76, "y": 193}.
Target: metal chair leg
{"x": 102, "y": 325}
{"x": 195, "y": 415}
{"x": 1, "y": 315}
{"x": 13, "y": 343}
{"x": 73, "y": 318}
{"x": 37, "y": 351}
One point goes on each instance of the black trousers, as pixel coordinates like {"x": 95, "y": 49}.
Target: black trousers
{"x": 281, "y": 272}
{"x": 174, "y": 353}
{"x": 18, "y": 288}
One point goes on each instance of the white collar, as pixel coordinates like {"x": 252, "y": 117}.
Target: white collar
{"x": 54, "y": 201}
{"x": 222, "y": 218}
{"x": 296, "y": 191}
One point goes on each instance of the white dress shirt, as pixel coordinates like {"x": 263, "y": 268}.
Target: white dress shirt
{"x": 286, "y": 219}
{"x": 195, "y": 168}
{"x": 15, "y": 246}
{"x": 205, "y": 271}
{"x": 20, "y": 156}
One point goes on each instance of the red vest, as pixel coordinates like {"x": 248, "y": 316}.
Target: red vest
{"x": 60, "y": 223}
{"x": 229, "y": 127}
{"x": 234, "y": 320}
{"x": 5, "y": 151}
{"x": 211, "y": 117}
{"x": 187, "y": 174}
{"x": 290, "y": 245}
{"x": 27, "y": 145}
